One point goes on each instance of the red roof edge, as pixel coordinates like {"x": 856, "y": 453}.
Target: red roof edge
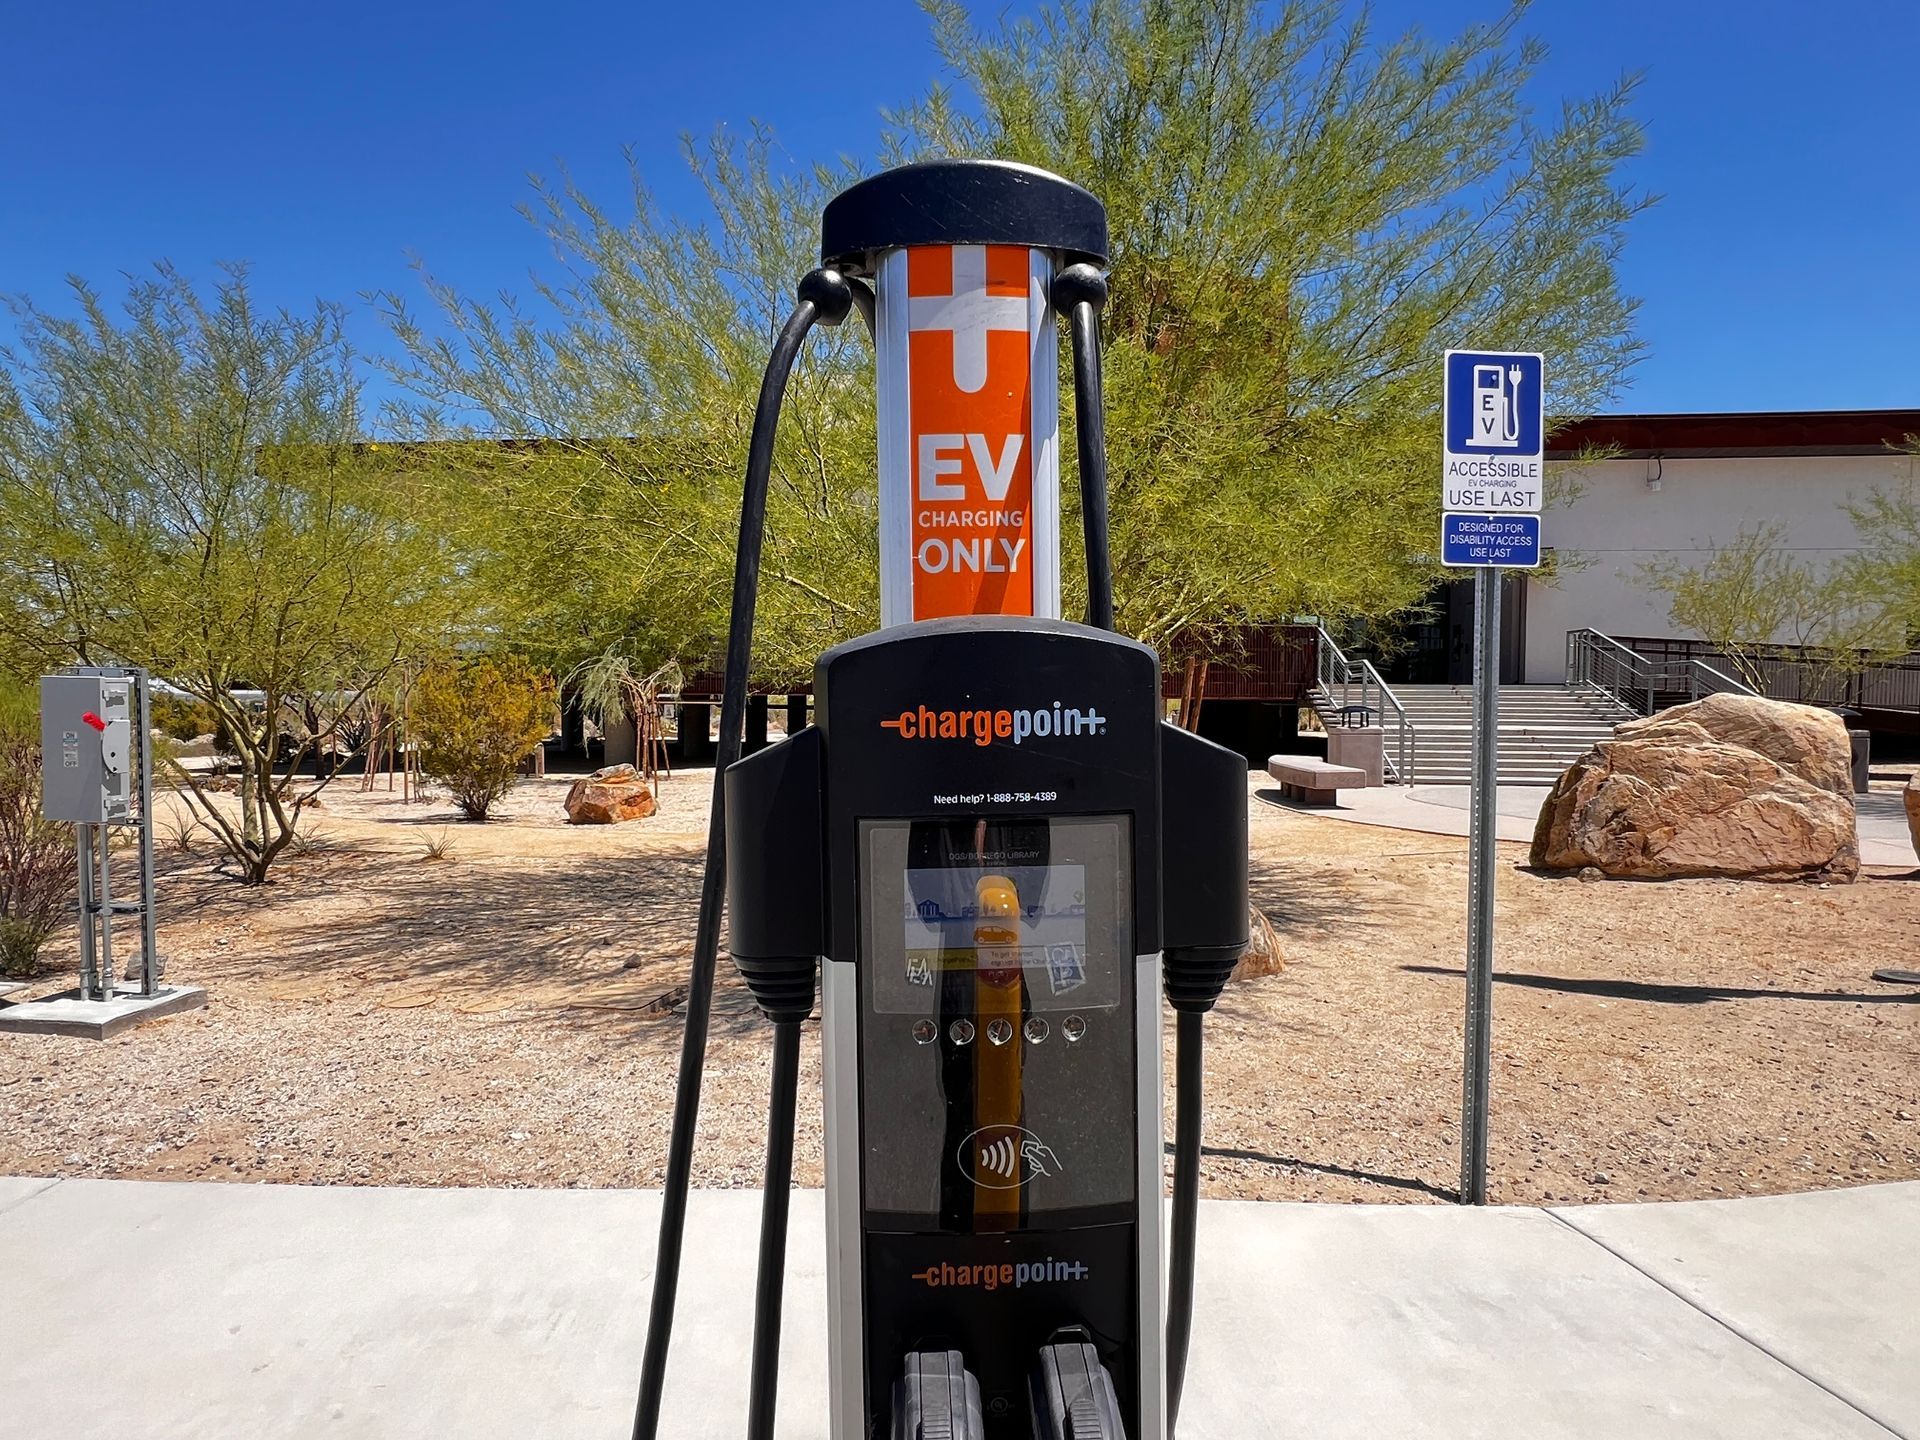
{"x": 1766, "y": 432}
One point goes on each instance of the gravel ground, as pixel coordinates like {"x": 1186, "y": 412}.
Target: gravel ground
{"x": 495, "y": 1018}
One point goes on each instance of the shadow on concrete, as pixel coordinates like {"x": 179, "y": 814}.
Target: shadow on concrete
{"x": 1370, "y": 1177}
{"x": 1666, "y": 994}
{"x": 1273, "y": 797}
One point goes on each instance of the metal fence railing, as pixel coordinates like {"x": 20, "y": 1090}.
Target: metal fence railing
{"x": 1884, "y": 689}
{"x": 1354, "y": 685}
{"x": 1604, "y": 666}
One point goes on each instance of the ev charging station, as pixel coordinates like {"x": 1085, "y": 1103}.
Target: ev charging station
{"x": 993, "y": 857}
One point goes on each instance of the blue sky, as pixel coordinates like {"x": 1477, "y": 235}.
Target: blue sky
{"x": 324, "y": 145}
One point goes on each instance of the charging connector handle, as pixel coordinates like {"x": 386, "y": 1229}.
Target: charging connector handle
{"x": 824, "y": 297}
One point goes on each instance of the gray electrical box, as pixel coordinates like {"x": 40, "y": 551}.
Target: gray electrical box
{"x": 86, "y": 747}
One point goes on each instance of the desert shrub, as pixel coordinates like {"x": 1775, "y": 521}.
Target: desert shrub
{"x": 476, "y": 722}
{"x": 182, "y": 717}
{"x": 38, "y": 869}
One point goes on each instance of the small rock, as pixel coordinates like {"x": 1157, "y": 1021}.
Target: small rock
{"x": 1602, "y": 1178}
{"x": 609, "y": 796}
{"x": 1590, "y": 873}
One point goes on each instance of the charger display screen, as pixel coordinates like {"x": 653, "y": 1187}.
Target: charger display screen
{"x": 1040, "y": 908}
{"x": 998, "y": 1049}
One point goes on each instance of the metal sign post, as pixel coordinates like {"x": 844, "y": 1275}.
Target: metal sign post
{"x": 1477, "y": 1072}
{"x": 1493, "y": 459}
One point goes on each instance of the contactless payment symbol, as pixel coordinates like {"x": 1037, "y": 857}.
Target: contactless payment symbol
{"x": 1005, "y": 1157}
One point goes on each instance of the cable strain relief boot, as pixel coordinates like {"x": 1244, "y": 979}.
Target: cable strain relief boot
{"x": 1195, "y": 975}
{"x": 782, "y": 985}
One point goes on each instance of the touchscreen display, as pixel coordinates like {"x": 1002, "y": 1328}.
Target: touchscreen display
{"x": 998, "y": 1051}
{"x": 1041, "y": 902}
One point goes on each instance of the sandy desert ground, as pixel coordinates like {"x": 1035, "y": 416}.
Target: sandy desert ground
{"x": 501, "y": 1017}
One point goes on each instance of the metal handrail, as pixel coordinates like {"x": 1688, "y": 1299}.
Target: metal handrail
{"x": 1333, "y": 668}
{"x": 1630, "y": 680}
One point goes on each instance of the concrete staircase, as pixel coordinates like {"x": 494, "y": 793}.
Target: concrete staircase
{"x": 1543, "y": 729}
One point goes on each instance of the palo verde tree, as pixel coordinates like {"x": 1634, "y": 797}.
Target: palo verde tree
{"x": 591, "y": 439}
{"x": 1753, "y": 594}
{"x": 180, "y": 489}
{"x": 1304, "y": 215}
{"x": 1883, "y": 578}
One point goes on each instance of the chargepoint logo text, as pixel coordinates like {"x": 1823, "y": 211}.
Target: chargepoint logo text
{"x": 1003, "y": 1275}
{"x": 983, "y": 727}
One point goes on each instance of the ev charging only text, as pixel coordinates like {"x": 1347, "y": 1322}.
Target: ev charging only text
{"x": 976, "y": 548}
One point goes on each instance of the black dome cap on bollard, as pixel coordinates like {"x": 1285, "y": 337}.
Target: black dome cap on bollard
{"x": 961, "y": 202}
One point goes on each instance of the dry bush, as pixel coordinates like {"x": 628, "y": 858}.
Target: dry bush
{"x": 39, "y": 869}
{"x": 180, "y": 829}
{"x": 476, "y": 723}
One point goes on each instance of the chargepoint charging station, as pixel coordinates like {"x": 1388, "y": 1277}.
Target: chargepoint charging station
{"x": 991, "y": 857}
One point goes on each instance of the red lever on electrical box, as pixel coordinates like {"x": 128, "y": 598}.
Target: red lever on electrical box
{"x": 94, "y": 720}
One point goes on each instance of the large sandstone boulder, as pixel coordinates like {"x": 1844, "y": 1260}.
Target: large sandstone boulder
{"x": 1731, "y": 785}
{"x": 1811, "y": 743}
{"x": 609, "y": 796}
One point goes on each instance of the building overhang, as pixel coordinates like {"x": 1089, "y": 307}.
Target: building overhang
{"x": 1752, "y": 434}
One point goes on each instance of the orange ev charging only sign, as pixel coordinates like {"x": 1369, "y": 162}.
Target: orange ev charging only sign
{"x": 960, "y": 460}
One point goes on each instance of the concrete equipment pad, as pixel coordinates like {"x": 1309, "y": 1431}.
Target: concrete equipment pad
{"x": 67, "y": 1014}
{"x": 237, "y": 1311}
{"x": 1827, "y": 1282}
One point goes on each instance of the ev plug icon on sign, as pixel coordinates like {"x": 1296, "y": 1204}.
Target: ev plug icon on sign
{"x": 1493, "y": 403}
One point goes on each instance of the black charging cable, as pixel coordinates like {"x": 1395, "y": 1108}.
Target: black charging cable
{"x": 1079, "y": 292}
{"x": 824, "y": 298}
{"x": 770, "y": 1282}
{"x": 1187, "y": 1068}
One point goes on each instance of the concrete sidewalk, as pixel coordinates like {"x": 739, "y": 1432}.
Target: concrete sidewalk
{"x": 1443, "y": 810}
{"x": 226, "y": 1311}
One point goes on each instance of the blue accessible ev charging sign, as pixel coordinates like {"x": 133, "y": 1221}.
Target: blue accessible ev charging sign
{"x": 1494, "y": 458}
{"x": 1495, "y": 452}
{"x": 1507, "y": 540}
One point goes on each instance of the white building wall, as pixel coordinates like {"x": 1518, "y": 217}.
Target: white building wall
{"x": 1616, "y": 523}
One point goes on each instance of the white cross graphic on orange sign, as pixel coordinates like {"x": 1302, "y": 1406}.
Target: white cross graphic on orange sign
{"x": 970, "y": 312}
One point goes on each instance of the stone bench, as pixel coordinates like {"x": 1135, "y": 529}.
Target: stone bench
{"x": 1312, "y": 781}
